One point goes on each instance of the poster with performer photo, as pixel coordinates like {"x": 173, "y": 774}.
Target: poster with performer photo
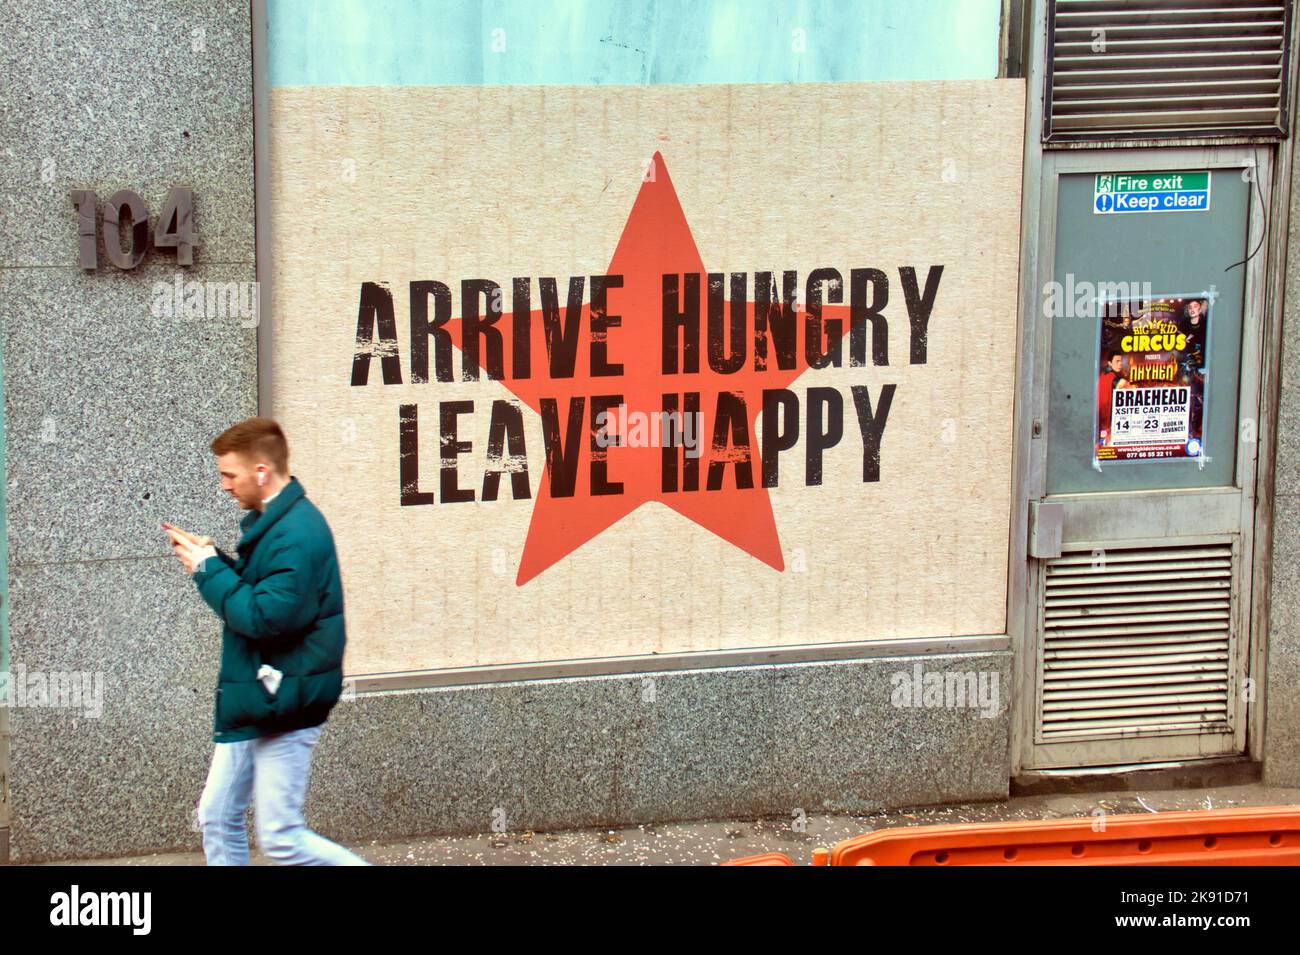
{"x": 1151, "y": 379}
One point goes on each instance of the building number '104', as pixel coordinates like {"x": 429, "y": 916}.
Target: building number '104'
{"x": 174, "y": 229}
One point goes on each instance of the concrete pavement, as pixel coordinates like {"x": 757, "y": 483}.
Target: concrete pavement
{"x": 712, "y": 842}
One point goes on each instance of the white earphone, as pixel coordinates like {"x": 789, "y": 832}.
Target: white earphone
{"x": 261, "y": 479}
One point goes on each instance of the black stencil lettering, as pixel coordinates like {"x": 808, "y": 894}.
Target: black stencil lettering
{"x": 562, "y": 454}
{"x": 683, "y": 315}
{"x": 521, "y": 338}
{"x": 408, "y": 457}
{"x": 722, "y": 360}
{"x": 780, "y": 429}
{"x": 506, "y": 428}
{"x": 860, "y": 312}
{"x": 600, "y": 483}
{"x": 919, "y": 307}
{"x": 822, "y": 431}
{"x": 476, "y": 329}
{"x": 778, "y": 318}
{"x": 376, "y": 308}
{"x": 819, "y": 356}
{"x": 562, "y": 340}
{"x": 731, "y": 442}
{"x": 872, "y": 427}
{"x": 672, "y": 450}
{"x": 422, "y": 328}
{"x": 601, "y": 323}
{"x": 452, "y": 448}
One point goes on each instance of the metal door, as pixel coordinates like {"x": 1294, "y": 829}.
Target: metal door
{"x": 1143, "y": 455}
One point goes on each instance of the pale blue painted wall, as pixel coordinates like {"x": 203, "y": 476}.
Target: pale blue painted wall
{"x": 627, "y": 42}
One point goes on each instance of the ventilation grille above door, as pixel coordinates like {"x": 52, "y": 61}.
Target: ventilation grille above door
{"x": 1159, "y": 69}
{"x": 1136, "y": 641}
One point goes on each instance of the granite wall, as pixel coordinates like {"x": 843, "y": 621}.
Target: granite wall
{"x": 1282, "y": 707}
{"x": 109, "y": 409}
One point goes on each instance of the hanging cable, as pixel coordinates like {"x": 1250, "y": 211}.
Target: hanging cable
{"x": 1262, "y": 210}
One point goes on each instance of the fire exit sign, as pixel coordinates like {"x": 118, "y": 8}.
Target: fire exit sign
{"x": 1151, "y": 192}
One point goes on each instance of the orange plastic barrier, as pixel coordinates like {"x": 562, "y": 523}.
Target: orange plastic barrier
{"x": 767, "y": 858}
{"x": 1267, "y": 835}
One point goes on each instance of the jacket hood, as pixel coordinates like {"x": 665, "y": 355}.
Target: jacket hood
{"x": 256, "y": 523}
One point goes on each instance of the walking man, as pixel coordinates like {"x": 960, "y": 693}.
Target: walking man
{"x": 281, "y": 604}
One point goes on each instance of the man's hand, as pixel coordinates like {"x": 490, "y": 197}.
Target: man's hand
{"x": 194, "y": 540}
{"x": 185, "y": 554}
{"x": 190, "y": 550}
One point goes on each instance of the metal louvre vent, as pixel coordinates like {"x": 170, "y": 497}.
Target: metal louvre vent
{"x": 1147, "y": 69}
{"x": 1137, "y": 640}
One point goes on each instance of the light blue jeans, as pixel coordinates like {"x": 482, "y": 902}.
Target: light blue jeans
{"x": 276, "y": 767}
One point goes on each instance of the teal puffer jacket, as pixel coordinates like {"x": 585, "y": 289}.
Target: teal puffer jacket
{"x": 281, "y": 602}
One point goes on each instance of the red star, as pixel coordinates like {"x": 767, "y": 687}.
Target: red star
{"x": 656, "y": 241}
